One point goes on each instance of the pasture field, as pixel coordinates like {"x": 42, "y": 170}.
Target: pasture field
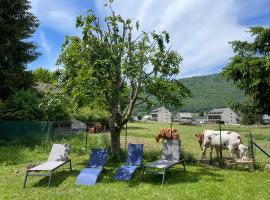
{"x": 196, "y": 182}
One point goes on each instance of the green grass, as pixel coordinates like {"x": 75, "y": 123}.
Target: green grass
{"x": 195, "y": 183}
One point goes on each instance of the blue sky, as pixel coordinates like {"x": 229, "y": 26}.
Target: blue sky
{"x": 199, "y": 29}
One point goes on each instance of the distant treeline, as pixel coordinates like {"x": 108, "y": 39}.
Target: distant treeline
{"x": 210, "y": 91}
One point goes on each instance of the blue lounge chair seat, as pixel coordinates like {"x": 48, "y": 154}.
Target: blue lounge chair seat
{"x": 89, "y": 175}
{"x": 133, "y": 161}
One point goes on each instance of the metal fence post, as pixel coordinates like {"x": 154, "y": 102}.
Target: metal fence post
{"x": 220, "y": 141}
{"x": 86, "y": 138}
{"x": 252, "y": 150}
{"x": 126, "y": 138}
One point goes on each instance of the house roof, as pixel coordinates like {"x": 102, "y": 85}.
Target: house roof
{"x": 159, "y": 109}
{"x": 76, "y": 124}
{"x": 217, "y": 111}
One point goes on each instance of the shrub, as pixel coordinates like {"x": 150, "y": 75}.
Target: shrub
{"x": 87, "y": 115}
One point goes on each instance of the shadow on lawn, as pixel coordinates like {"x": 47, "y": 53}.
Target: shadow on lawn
{"x": 135, "y": 128}
{"x": 173, "y": 176}
{"x": 57, "y": 178}
{"x": 176, "y": 176}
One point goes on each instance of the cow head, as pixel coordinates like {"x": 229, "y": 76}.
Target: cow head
{"x": 200, "y": 137}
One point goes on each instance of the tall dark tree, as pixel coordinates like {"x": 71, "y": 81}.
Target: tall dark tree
{"x": 250, "y": 70}
{"x": 17, "y": 24}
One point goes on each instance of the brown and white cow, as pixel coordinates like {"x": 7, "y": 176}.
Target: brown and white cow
{"x": 230, "y": 140}
{"x": 167, "y": 133}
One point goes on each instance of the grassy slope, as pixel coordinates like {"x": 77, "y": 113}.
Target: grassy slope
{"x": 196, "y": 183}
{"x": 210, "y": 91}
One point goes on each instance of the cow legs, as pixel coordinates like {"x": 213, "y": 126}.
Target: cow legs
{"x": 204, "y": 153}
{"x": 231, "y": 150}
{"x": 217, "y": 151}
{"x": 211, "y": 151}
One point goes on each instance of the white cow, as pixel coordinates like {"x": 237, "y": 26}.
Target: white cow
{"x": 230, "y": 140}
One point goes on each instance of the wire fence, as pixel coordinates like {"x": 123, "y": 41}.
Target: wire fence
{"x": 34, "y": 132}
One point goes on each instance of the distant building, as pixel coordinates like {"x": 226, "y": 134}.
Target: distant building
{"x": 69, "y": 126}
{"x": 266, "y": 119}
{"x": 184, "y": 117}
{"x": 146, "y": 118}
{"x": 223, "y": 114}
{"x": 161, "y": 115}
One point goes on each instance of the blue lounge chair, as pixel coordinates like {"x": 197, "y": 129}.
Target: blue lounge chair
{"x": 89, "y": 175}
{"x": 133, "y": 161}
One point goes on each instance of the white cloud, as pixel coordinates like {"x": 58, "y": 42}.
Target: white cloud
{"x": 45, "y": 44}
{"x": 200, "y": 30}
{"x": 57, "y": 15}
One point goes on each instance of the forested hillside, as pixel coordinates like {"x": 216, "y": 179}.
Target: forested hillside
{"x": 210, "y": 91}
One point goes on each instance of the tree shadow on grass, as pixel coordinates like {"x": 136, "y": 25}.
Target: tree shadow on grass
{"x": 135, "y": 128}
{"x": 173, "y": 176}
{"x": 179, "y": 176}
{"x": 57, "y": 178}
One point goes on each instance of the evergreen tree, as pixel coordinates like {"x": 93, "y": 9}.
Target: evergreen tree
{"x": 17, "y": 24}
{"x": 250, "y": 70}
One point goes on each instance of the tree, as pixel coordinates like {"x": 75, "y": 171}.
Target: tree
{"x": 55, "y": 106}
{"x": 250, "y": 70}
{"x": 119, "y": 67}
{"x": 22, "y": 105}
{"x": 44, "y": 76}
{"x": 17, "y": 24}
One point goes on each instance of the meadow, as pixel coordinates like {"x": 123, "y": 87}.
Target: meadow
{"x": 197, "y": 182}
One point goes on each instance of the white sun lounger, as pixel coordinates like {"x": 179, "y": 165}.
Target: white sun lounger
{"x": 58, "y": 157}
{"x": 170, "y": 157}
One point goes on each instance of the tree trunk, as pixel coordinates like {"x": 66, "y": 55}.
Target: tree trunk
{"x": 115, "y": 128}
{"x": 115, "y": 142}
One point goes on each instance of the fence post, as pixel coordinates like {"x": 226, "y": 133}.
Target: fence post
{"x": 252, "y": 150}
{"x": 220, "y": 141}
{"x": 126, "y": 138}
{"x": 86, "y": 138}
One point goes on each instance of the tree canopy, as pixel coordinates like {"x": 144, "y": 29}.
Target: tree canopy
{"x": 118, "y": 67}
{"x": 43, "y": 75}
{"x": 250, "y": 70}
{"x": 17, "y": 24}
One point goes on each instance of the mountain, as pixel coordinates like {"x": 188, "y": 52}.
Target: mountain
{"x": 209, "y": 92}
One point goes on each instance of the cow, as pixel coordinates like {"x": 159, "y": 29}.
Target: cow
{"x": 95, "y": 128}
{"x": 230, "y": 140}
{"x": 167, "y": 133}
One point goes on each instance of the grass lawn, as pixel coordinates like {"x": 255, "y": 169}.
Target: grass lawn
{"x": 195, "y": 183}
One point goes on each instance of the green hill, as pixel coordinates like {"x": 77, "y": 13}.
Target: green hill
{"x": 210, "y": 91}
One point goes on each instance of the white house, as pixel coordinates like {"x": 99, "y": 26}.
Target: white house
{"x": 161, "y": 115}
{"x": 184, "y": 117}
{"x": 146, "y": 118}
{"x": 223, "y": 114}
{"x": 266, "y": 119}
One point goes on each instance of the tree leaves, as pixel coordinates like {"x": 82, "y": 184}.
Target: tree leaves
{"x": 249, "y": 68}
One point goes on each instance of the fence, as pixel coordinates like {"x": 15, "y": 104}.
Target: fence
{"x": 32, "y": 132}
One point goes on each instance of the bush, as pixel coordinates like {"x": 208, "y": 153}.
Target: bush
{"x": 188, "y": 157}
{"x": 87, "y": 115}
{"x": 22, "y": 105}
{"x": 55, "y": 106}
